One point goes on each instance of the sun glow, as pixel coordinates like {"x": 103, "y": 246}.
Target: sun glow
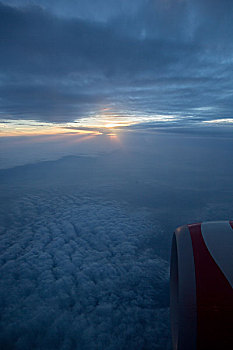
{"x": 95, "y": 125}
{"x": 111, "y": 125}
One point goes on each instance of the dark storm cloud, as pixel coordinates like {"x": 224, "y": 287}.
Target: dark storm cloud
{"x": 166, "y": 57}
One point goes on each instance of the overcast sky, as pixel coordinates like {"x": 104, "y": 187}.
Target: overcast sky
{"x": 65, "y": 60}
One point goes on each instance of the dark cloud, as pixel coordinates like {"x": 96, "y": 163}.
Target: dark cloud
{"x": 165, "y": 57}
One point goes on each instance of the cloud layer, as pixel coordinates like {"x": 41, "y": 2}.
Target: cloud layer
{"x": 85, "y": 240}
{"x": 79, "y": 273}
{"x": 60, "y": 62}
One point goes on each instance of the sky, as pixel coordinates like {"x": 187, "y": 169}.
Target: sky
{"x": 115, "y": 129}
{"x": 85, "y": 63}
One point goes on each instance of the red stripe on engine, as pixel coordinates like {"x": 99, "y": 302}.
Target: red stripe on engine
{"x": 231, "y": 223}
{"x": 214, "y": 298}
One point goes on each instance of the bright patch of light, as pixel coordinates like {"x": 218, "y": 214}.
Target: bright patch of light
{"x": 110, "y": 125}
{"x": 219, "y": 121}
{"x": 202, "y": 109}
{"x": 32, "y": 127}
{"x": 93, "y": 125}
{"x": 119, "y": 121}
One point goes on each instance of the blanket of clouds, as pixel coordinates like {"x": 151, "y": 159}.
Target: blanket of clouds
{"x": 79, "y": 273}
{"x": 85, "y": 240}
{"x": 64, "y": 60}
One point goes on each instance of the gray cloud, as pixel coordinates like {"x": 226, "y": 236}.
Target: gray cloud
{"x": 81, "y": 275}
{"x": 162, "y": 57}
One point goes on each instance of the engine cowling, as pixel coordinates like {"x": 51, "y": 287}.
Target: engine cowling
{"x": 201, "y": 286}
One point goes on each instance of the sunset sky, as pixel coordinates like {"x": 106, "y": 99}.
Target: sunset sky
{"x": 105, "y": 63}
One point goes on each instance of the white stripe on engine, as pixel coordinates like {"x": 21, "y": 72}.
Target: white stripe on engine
{"x": 218, "y": 237}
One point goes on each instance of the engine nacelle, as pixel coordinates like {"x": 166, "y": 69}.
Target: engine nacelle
{"x": 201, "y": 286}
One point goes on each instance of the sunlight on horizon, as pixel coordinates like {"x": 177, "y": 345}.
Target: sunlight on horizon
{"x": 93, "y": 125}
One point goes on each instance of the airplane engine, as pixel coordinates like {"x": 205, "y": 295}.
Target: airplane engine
{"x": 201, "y": 286}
